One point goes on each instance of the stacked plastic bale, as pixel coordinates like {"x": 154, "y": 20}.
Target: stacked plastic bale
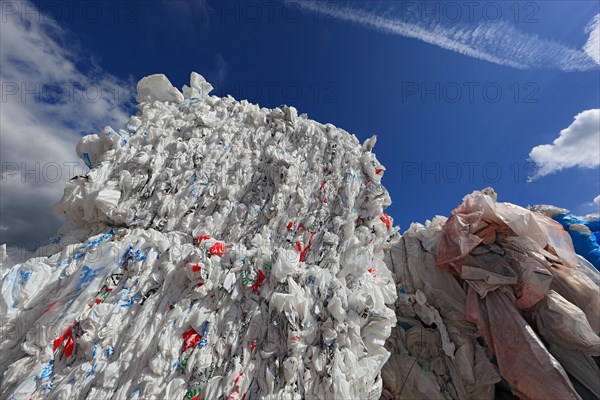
{"x": 215, "y": 249}
{"x": 511, "y": 294}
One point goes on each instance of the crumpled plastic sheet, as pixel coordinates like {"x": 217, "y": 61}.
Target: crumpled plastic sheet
{"x": 215, "y": 249}
{"x": 523, "y": 360}
{"x": 434, "y": 349}
{"x": 505, "y": 274}
{"x": 480, "y": 218}
{"x": 528, "y": 264}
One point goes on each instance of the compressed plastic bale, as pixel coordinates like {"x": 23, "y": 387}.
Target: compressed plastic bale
{"x": 178, "y": 228}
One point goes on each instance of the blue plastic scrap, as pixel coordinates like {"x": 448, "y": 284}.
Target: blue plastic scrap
{"x": 586, "y": 245}
{"x": 204, "y": 341}
{"x": 86, "y": 276}
{"x": 87, "y": 160}
{"x": 24, "y": 276}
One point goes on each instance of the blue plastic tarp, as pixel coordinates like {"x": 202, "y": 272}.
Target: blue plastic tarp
{"x": 586, "y": 244}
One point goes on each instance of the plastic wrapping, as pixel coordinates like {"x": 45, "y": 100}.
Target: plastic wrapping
{"x": 505, "y": 274}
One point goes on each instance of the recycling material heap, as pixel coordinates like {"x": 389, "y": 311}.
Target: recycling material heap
{"x": 219, "y": 250}
{"x": 214, "y": 248}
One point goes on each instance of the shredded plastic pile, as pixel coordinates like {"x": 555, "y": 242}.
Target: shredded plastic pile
{"x": 493, "y": 300}
{"x": 216, "y": 249}
{"x": 219, "y": 250}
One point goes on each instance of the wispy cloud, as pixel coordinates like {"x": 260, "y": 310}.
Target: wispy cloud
{"x": 592, "y": 46}
{"x": 51, "y": 92}
{"x": 497, "y": 42}
{"x": 577, "y": 146}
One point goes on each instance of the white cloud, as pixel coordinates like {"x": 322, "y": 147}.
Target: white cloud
{"x": 592, "y": 46}
{"x": 50, "y": 94}
{"x": 577, "y": 146}
{"x": 496, "y": 42}
{"x": 597, "y": 200}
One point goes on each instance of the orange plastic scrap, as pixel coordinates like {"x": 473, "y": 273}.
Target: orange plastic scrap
{"x": 531, "y": 371}
{"x": 386, "y": 220}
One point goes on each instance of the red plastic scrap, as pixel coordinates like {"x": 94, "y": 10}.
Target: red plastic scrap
{"x": 51, "y": 306}
{"x": 237, "y": 378}
{"x": 299, "y": 246}
{"x": 323, "y": 185}
{"x": 253, "y": 345}
{"x": 190, "y": 339}
{"x": 378, "y": 171}
{"x": 217, "y": 249}
{"x": 303, "y": 253}
{"x": 261, "y": 278}
{"x": 196, "y": 268}
{"x": 386, "y": 220}
{"x": 201, "y": 238}
{"x": 69, "y": 346}
{"x": 289, "y": 225}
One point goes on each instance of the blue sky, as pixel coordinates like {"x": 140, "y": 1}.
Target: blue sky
{"x": 457, "y": 96}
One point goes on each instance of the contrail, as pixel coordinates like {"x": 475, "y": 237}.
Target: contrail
{"x": 496, "y": 42}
